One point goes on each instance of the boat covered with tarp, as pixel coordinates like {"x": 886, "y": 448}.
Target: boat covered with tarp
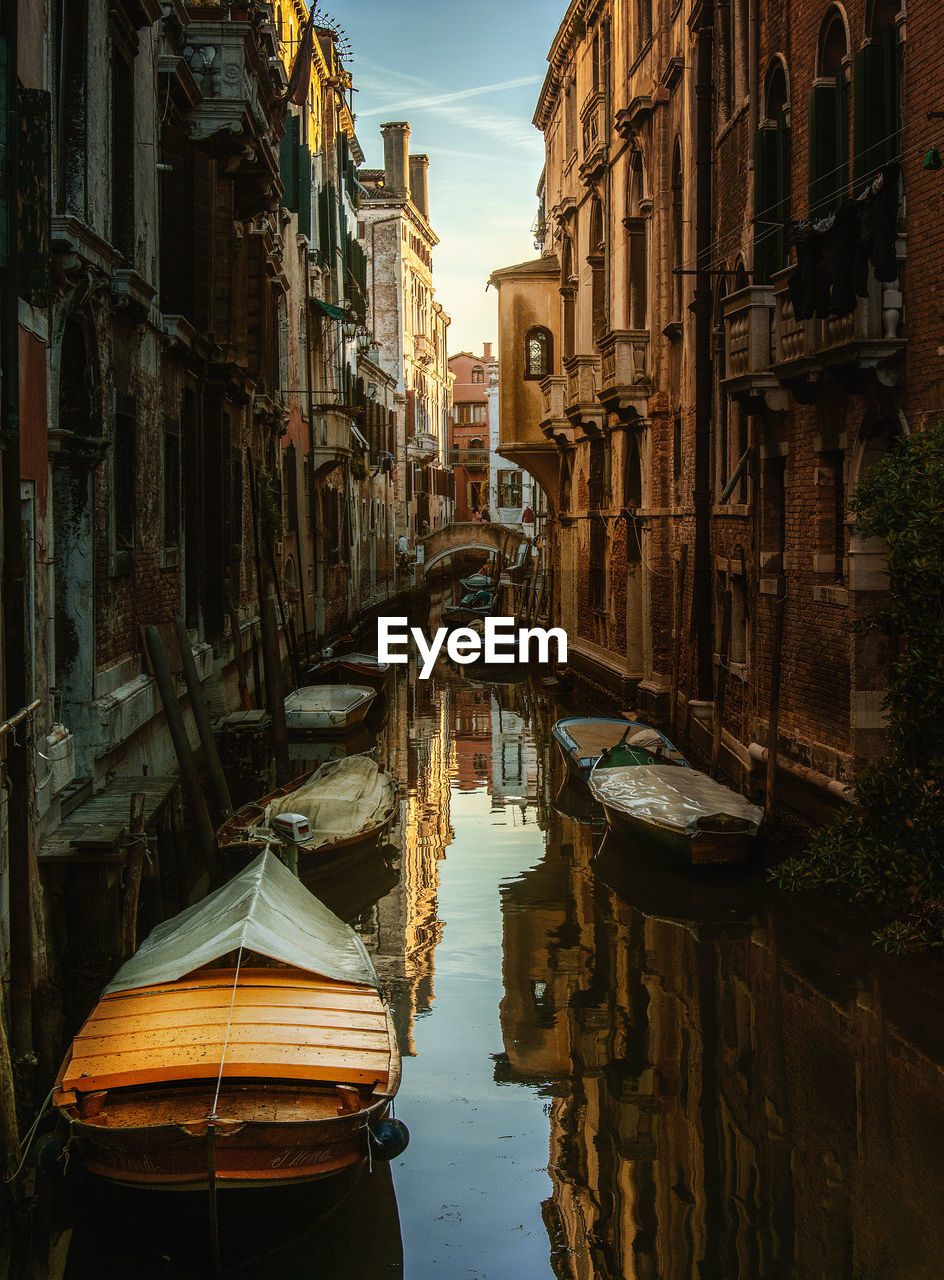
{"x": 354, "y": 668}
{"x": 679, "y": 813}
{"x": 345, "y": 802}
{"x": 245, "y": 1043}
{"x": 584, "y": 739}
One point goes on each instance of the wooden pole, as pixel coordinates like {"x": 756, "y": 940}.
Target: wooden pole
{"x": 9, "y": 1130}
{"x": 773, "y": 722}
{"x": 276, "y": 700}
{"x": 244, "y": 700}
{"x": 717, "y": 718}
{"x": 213, "y": 1206}
{"x": 680, "y": 569}
{"x": 133, "y": 869}
{"x": 257, "y": 670}
{"x": 188, "y": 770}
{"x": 201, "y": 715}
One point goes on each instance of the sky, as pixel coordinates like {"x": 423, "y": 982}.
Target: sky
{"x": 467, "y": 78}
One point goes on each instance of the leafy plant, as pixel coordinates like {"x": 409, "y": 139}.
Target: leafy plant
{"x": 889, "y": 848}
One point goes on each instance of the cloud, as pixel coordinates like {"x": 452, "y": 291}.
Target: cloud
{"x": 441, "y": 99}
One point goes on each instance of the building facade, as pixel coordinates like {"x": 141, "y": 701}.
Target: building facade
{"x": 470, "y": 433}
{"x": 717, "y": 338}
{"x": 409, "y": 322}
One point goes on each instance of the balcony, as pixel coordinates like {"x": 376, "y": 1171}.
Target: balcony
{"x": 236, "y": 68}
{"x": 748, "y": 335}
{"x": 582, "y": 405}
{"x": 424, "y": 349}
{"x": 625, "y": 382}
{"x": 422, "y": 447}
{"x": 853, "y": 347}
{"x": 594, "y": 137}
{"x": 331, "y": 442}
{"x": 554, "y": 422}
{"x": 471, "y": 459}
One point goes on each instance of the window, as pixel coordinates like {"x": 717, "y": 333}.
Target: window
{"x": 831, "y": 489}
{"x": 677, "y": 451}
{"x": 677, "y": 229}
{"x": 877, "y": 139}
{"x": 828, "y": 122}
{"x": 596, "y": 259}
{"x": 478, "y": 374}
{"x": 537, "y": 354}
{"x": 171, "y": 485}
{"x": 737, "y": 651}
{"x": 568, "y": 290}
{"x": 570, "y": 120}
{"x": 471, "y": 413}
{"x": 597, "y": 575}
{"x": 124, "y": 475}
{"x": 597, "y": 484}
{"x": 643, "y": 25}
{"x": 637, "y": 249}
{"x": 509, "y": 488}
{"x": 772, "y": 179}
{"x": 773, "y": 515}
{"x": 72, "y": 47}
{"x": 122, "y": 156}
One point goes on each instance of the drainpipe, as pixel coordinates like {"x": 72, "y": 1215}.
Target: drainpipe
{"x": 703, "y": 365}
{"x": 16, "y": 656}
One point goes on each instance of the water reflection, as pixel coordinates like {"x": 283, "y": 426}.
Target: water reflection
{"x": 612, "y": 1068}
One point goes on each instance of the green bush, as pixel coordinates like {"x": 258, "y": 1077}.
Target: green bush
{"x": 889, "y": 849}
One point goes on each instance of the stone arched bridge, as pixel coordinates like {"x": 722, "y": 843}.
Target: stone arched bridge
{"x": 455, "y": 537}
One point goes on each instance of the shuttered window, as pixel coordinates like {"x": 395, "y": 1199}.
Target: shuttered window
{"x": 828, "y": 170}
{"x": 771, "y": 199}
{"x": 876, "y": 131}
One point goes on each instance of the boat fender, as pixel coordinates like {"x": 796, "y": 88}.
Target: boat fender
{"x": 388, "y": 1139}
{"x": 49, "y": 1153}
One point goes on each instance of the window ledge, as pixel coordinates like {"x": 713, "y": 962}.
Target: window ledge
{"x": 732, "y": 509}
{"x": 834, "y": 593}
{"x": 170, "y": 557}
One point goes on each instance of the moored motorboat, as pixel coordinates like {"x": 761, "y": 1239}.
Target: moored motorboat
{"x": 354, "y": 668}
{"x": 478, "y": 582}
{"x": 344, "y": 803}
{"x": 246, "y": 1043}
{"x": 678, "y": 813}
{"x": 583, "y": 739}
{"x": 327, "y": 708}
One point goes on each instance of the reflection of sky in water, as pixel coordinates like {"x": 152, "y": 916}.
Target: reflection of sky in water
{"x": 471, "y": 1184}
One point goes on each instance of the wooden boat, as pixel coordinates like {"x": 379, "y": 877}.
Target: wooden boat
{"x": 353, "y": 668}
{"x": 478, "y": 582}
{"x": 246, "y": 1043}
{"x": 676, "y": 812}
{"x": 583, "y": 739}
{"x": 327, "y": 708}
{"x": 346, "y": 803}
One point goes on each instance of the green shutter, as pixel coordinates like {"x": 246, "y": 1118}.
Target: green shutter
{"x": 4, "y": 176}
{"x": 304, "y": 191}
{"x": 768, "y": 210}
{"x": 877, "y": 123}
{"x": 827, "y": 164}
{"x": 288, "y": 163}
{"x": 34, "y": 120}
{"x": 324, "y": 222}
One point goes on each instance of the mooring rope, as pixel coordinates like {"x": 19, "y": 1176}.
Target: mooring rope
{"x": 229, "y": 1023}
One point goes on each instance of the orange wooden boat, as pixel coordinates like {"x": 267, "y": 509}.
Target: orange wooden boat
{"x": 245, "y": 1043}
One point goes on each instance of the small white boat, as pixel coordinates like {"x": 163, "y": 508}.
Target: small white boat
{"x": 328, "y": 708}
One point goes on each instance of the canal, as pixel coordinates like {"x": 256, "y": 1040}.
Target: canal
{"x": 610, "y": 1070}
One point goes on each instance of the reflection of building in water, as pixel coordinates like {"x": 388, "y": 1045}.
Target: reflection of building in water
{"x": 514, "y": 755}
{"x": 736, "y": 1093}
{"x": 408, "y": 927}
{"x": 471, "y": 735}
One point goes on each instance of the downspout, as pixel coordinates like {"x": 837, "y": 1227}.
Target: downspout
{"x": 16, "y": 664}
{"x": 703, "y": 364}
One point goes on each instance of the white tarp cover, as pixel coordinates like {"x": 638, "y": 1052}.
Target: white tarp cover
{"x": 263, "y": 909}
{"x": 669, "y": 794}
{"x": 328, "y": 697}
{"x": 340, "y": 799}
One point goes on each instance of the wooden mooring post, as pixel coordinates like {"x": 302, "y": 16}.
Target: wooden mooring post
{"x": 717, "y": 715}
{"x": 773, "y": 720}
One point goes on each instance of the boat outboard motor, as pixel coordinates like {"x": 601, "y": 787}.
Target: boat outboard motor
{"x": 291, "y": 826}
{"x": 388, "y": 1139}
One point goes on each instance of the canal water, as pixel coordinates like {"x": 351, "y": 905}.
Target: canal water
{"x": 610, "y": 1070}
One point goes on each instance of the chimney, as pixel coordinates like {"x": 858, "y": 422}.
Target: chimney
{"x": 396, "y": 136}
{"x": 418, "y": 186}
{"x": 487, "y": 352}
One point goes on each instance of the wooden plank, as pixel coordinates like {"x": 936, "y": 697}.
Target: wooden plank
{"x": 210, "y": 1037}
{"x": 260, "y": 1061}
{"x": 264, "y": 1015}
{"x": 276, "y": 977}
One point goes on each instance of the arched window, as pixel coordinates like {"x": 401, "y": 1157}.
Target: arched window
{"x": 568, "y": 290}
{"x": 478, "y": 374}
{"x": 538, "y": 353}
{"x": 772, "y": 178}
{"x": 877, "y": 139}
{"x": 829, "y": 121}
{"x": 677, "y": 229}
{"x": 637, "y": 247}
{"x": 596, "y": 258}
